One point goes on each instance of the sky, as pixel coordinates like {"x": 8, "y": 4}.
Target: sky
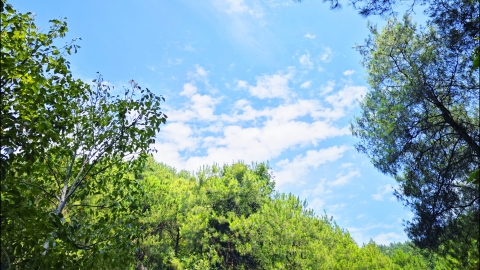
{"x": 253, "y": 80}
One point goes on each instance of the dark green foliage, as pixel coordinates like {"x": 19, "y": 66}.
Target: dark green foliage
{"x": 419, "y": 123}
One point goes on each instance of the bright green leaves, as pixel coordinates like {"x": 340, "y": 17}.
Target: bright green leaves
{"x": 190, "y": 219}
{"x": 474, "y": 177}
{"x": 230, "y": 218}
{"x": 69, "y": 153}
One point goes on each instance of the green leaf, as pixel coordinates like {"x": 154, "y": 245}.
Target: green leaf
{"x": 474, "y": 177}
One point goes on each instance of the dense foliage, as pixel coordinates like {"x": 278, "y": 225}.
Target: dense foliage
{"x": 230, "y": 217}
{"x": 421, "y": 120}
{"x": 420, "y": 124}
{"x": 69, "y": 152}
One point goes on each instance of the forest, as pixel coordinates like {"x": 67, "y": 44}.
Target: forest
{"x": 81, "y": 190}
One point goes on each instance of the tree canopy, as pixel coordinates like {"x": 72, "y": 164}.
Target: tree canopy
{"x": 230, "y": 217}
{"x": 419, "y": 123}
{"x": 69, "y": 152}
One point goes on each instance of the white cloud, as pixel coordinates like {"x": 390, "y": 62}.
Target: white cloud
{"x": 326, "y": 55}
{"x": 362, "y": 235}
{"x": 201, "y": 71}
{"x": 204, "y": 106}
{"x": 320, "y": 189}
{"x": 199, "y": 107}
{"x": 291, "y": 171}
{"x": 240, "y": 7}
{"x": 348, "y": 72}
{"x": 271, "y": 86}
{"x": 242, "y": 84}
{"x": 306, "y": 84}
{"x": 152, "y": 68}
{"x": 310, "y": 36}
{"x": 243, "y": 20}
{"x": 305, "y": 61}
{"x": 236, "y": 6}
{"x": 179, "y": 134}
{"x": 317, "y": 205}
{"x": 283, "y": 112}
{"x": 341, "y": 101}
{"x": 188, "y": 90}
{"x": 383, "y": 191}
{"x": 269, "y": 140}
{"x": 249, "y": 133}
{"x": 188, "y": 48}
{"x": 387, "y": 238}
{"x": 278, "y": 132}
{"x": 327, "y": 88}
{"x": 175, "y": 62}
{"x": 334, "y": 209}
{"x": 199, "y": 74}
{"x": 343, "y": 179}
{"x": 347, "y": 97}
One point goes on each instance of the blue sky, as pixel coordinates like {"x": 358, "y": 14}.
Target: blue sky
{"x": 249, "y": 80}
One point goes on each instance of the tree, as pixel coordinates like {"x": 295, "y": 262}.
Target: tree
{"x": 229, "y": 218}
{"x": 189, "y": 218}
{"x": 69, "y": 154}
{"x": 457, "y": 25}
{"x": 419, "y": 123}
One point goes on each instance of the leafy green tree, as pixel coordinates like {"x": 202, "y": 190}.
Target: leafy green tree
{"x": 457, "y": 26}
{"x": 189, "y": 218}
{"x": 169, "y": 198}
{"x": 228, "y": 218}
{"x": 408, "y": 256}
{"x": 419, "y": 123}
{"x": 69, "y": 153}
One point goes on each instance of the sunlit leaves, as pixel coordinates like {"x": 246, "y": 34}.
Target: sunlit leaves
{"x": 229, "y": 218}
{"x": 69, "y": 155}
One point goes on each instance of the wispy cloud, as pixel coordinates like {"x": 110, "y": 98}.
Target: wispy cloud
{"x": 188, "y": 48}
{"x": 240, "y": 7}
{"x": 327, "y": 88}
{"x": 348, "y": 72}
{"x": 305, "y": 60}
{"x": 310, "y": 36}
{"x": 382, "y": 192}
{"x": 326, "y": 55}
{"x": 363, "y": 235}
{"x": 387, "y": 238}
{"x": 343, "y": 179}
{"x": 317, "y": 204}
{"x": 301, "y": 164}
{"x": 306, "y": 84}
{"x": 271, "y": 86}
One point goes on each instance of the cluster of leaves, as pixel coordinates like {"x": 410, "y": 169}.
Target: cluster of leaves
{"x": 230, "y": 217}
{"x": 69, "y": 153}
